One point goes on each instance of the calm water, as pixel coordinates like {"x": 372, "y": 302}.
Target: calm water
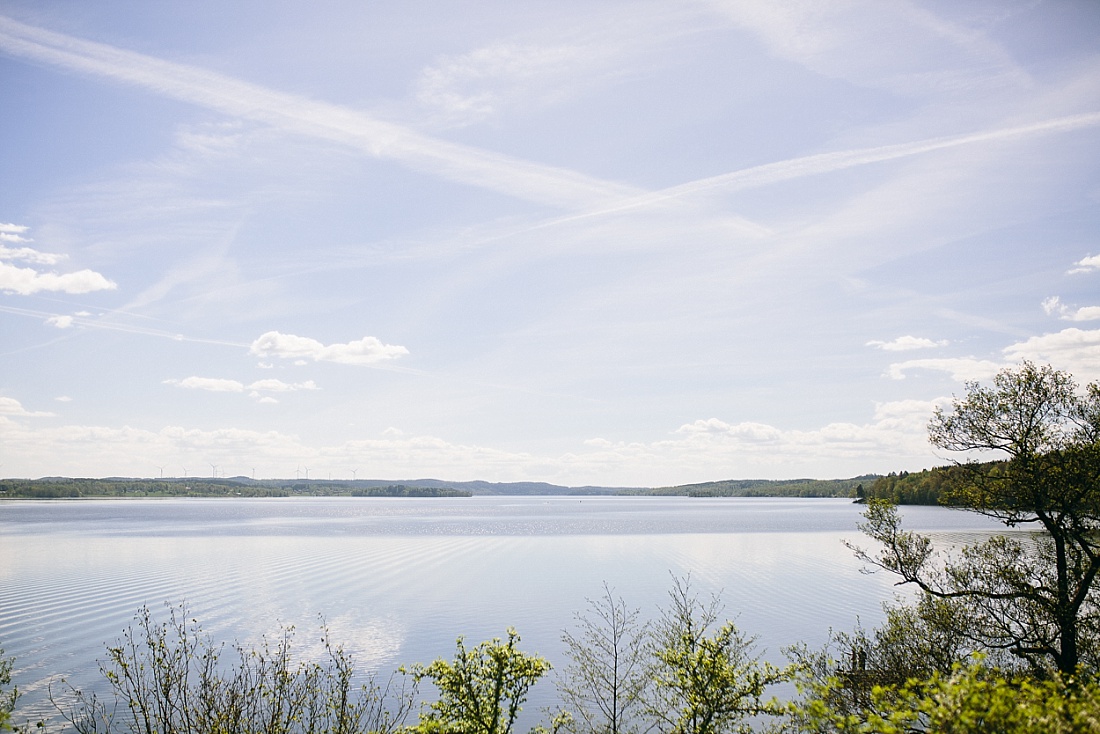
{"x": 398, "y": 579}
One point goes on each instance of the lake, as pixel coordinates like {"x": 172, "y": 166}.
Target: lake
{"x": 396, "y": 580}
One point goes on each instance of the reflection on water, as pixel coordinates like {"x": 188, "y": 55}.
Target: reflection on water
{"x": 396, "y": 580}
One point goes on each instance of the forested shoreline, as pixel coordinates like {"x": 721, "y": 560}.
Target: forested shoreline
{"x": 65, "y": 487}
{"x": 927, "y": 487}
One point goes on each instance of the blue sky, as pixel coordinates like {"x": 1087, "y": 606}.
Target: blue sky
{"x": 623, "y": 243}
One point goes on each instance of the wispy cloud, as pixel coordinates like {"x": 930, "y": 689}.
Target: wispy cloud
{"x": 1054, "y": 307}
{"x": 845, "y": 40}
{"x": 474, "y": 86}
{"x": 210, "y": 384}
{"x": 257, "y": 390}
{"x": 813, "y": 165}
{"x": 13, "y": 233}
{"x": 907, "y": 343}
{"x": 110, "y": 321}
{"x": 963, "y": 369}
{"x": 366, "y": 351}
{"x": 818, "y": 164}
{"x": 538, "y": 183}
{"x": 29, "y": 254}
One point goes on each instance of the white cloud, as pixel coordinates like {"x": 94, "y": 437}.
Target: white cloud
{"x": 906, "y": 343}
{"x": 29, "y": 254}
{"x": 27, "y": 281}
{"x": 212, "y": 384}
{"x": 1086, "y": 265}
{"x": 960, "y": 368}
{"x": 365, "y": 351}
{"x": 272, "y": 385}
{"x": 61, "y": 322}
{"x": 11, "y": 406}
{"x": 751, "y": 432}
{"x": 894, "y": 437}
{"x": 1086, "y": 313}
{"x": 14, "y": 233}
{"x": 255, "y": 390}
{"x": 1054, "y": 307}
{"x": 1075, "y": 350}
{"x": 63, "y": 399}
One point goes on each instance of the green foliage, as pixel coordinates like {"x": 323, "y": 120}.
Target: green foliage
{"x": 970, "y": 699}
{"x": 7, "y": 697}
{"x": 928, "y": 487}
{"x": 63, "y": 488}
{"x": 769, "y": 488}
{"x": 604, "y": 685}
{"x": 169, "y": 678}
{"x": 482, "y": 690}
{"x": 705, "y": 679}
{"x": 401, "y": 490}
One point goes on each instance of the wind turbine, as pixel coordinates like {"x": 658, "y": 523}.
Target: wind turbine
{"x": 213, "y": 471}
{"x": 161, "y": 471}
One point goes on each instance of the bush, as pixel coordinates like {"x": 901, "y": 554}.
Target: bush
{"x": 169, "y": 678}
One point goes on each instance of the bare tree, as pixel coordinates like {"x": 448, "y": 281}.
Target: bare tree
{"x": 604, "y": 685}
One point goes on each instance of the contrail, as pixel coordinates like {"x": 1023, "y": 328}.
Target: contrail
{"x": 98, "y": 323}
{"x": 813, "y": 165}
{"x": 541, "y": 184}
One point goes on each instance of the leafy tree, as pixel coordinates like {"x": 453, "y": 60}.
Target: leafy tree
{"x": 971, "y": 699}
{"x": 604, "y": 685}
{"x": 482, "y": 690}
{"x": 1034, "y": 596}
{"x": 168, "y": 678}
{"x": 858, "y": 672}
{"x": 705, "y": 679}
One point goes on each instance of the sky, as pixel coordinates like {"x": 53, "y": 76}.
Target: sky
{"x": 619, "y": 243}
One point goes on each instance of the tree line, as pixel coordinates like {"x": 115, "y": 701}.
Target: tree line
{"x": 66, "y": 488}
{"x": 1000, "y": 636}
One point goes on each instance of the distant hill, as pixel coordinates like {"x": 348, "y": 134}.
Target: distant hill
{"x": 60, "y": 487}
{"x": 773, "y": 487}
{"x": 524, "y": 488}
